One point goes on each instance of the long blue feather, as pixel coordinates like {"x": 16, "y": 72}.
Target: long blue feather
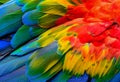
{"x": 11, "y": 64}
{"x": 29, "y": 47}
{"x": 15, "y": 76}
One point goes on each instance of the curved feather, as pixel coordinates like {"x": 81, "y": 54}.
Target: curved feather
{"x": 51, "y": 7}
{"x": 27, "y": 32}
{"x": 31, "y": 18}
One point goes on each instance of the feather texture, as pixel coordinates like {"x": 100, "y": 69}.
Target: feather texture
{"x": 60, "y": 40}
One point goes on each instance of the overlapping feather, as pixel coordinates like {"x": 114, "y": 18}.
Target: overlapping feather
{"x": 88, "y": 45}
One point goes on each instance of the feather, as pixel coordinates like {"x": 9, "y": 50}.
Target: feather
{"x": 4, "y": 44}
{"x": 18, "y": 39}
{"x": 51, "y": 7}
{"x": 29, "y": 47}
{"x": 83, "y": 78}
{"x": 30, "y": 5}
{"x": 62, "y": 77}
{"x": 116, "y": 78}
{"x": 41, "y": 62}
{"x": 30, "y": 18}
{"x": 17, "y": 75}
{"x": 27, "y": 32}
{"x": 10, "y": 23}
{"x": 42, "y": 20}
{"x": 22, "y": 2}
{"x": 12, "y": 65}
{"x": 8, "y": 7}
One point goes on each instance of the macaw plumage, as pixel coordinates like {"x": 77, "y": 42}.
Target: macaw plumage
{"x": 60, "y": 41}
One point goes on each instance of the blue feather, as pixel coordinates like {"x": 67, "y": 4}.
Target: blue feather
{"x": 11, "y": 64}
{"x": 10, "y": 23}
{"x": 31, "y": 17}
{"x": 8, "y": 8}
{"x": 82, "y": 78}
{"x": 15, "y": 76}
{"x": 116, "y": 78}
{"x": 4, "y": 44}
{"x": 31, "y": 46}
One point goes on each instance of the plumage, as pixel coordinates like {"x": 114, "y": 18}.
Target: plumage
{"x": 60, "y": 40}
